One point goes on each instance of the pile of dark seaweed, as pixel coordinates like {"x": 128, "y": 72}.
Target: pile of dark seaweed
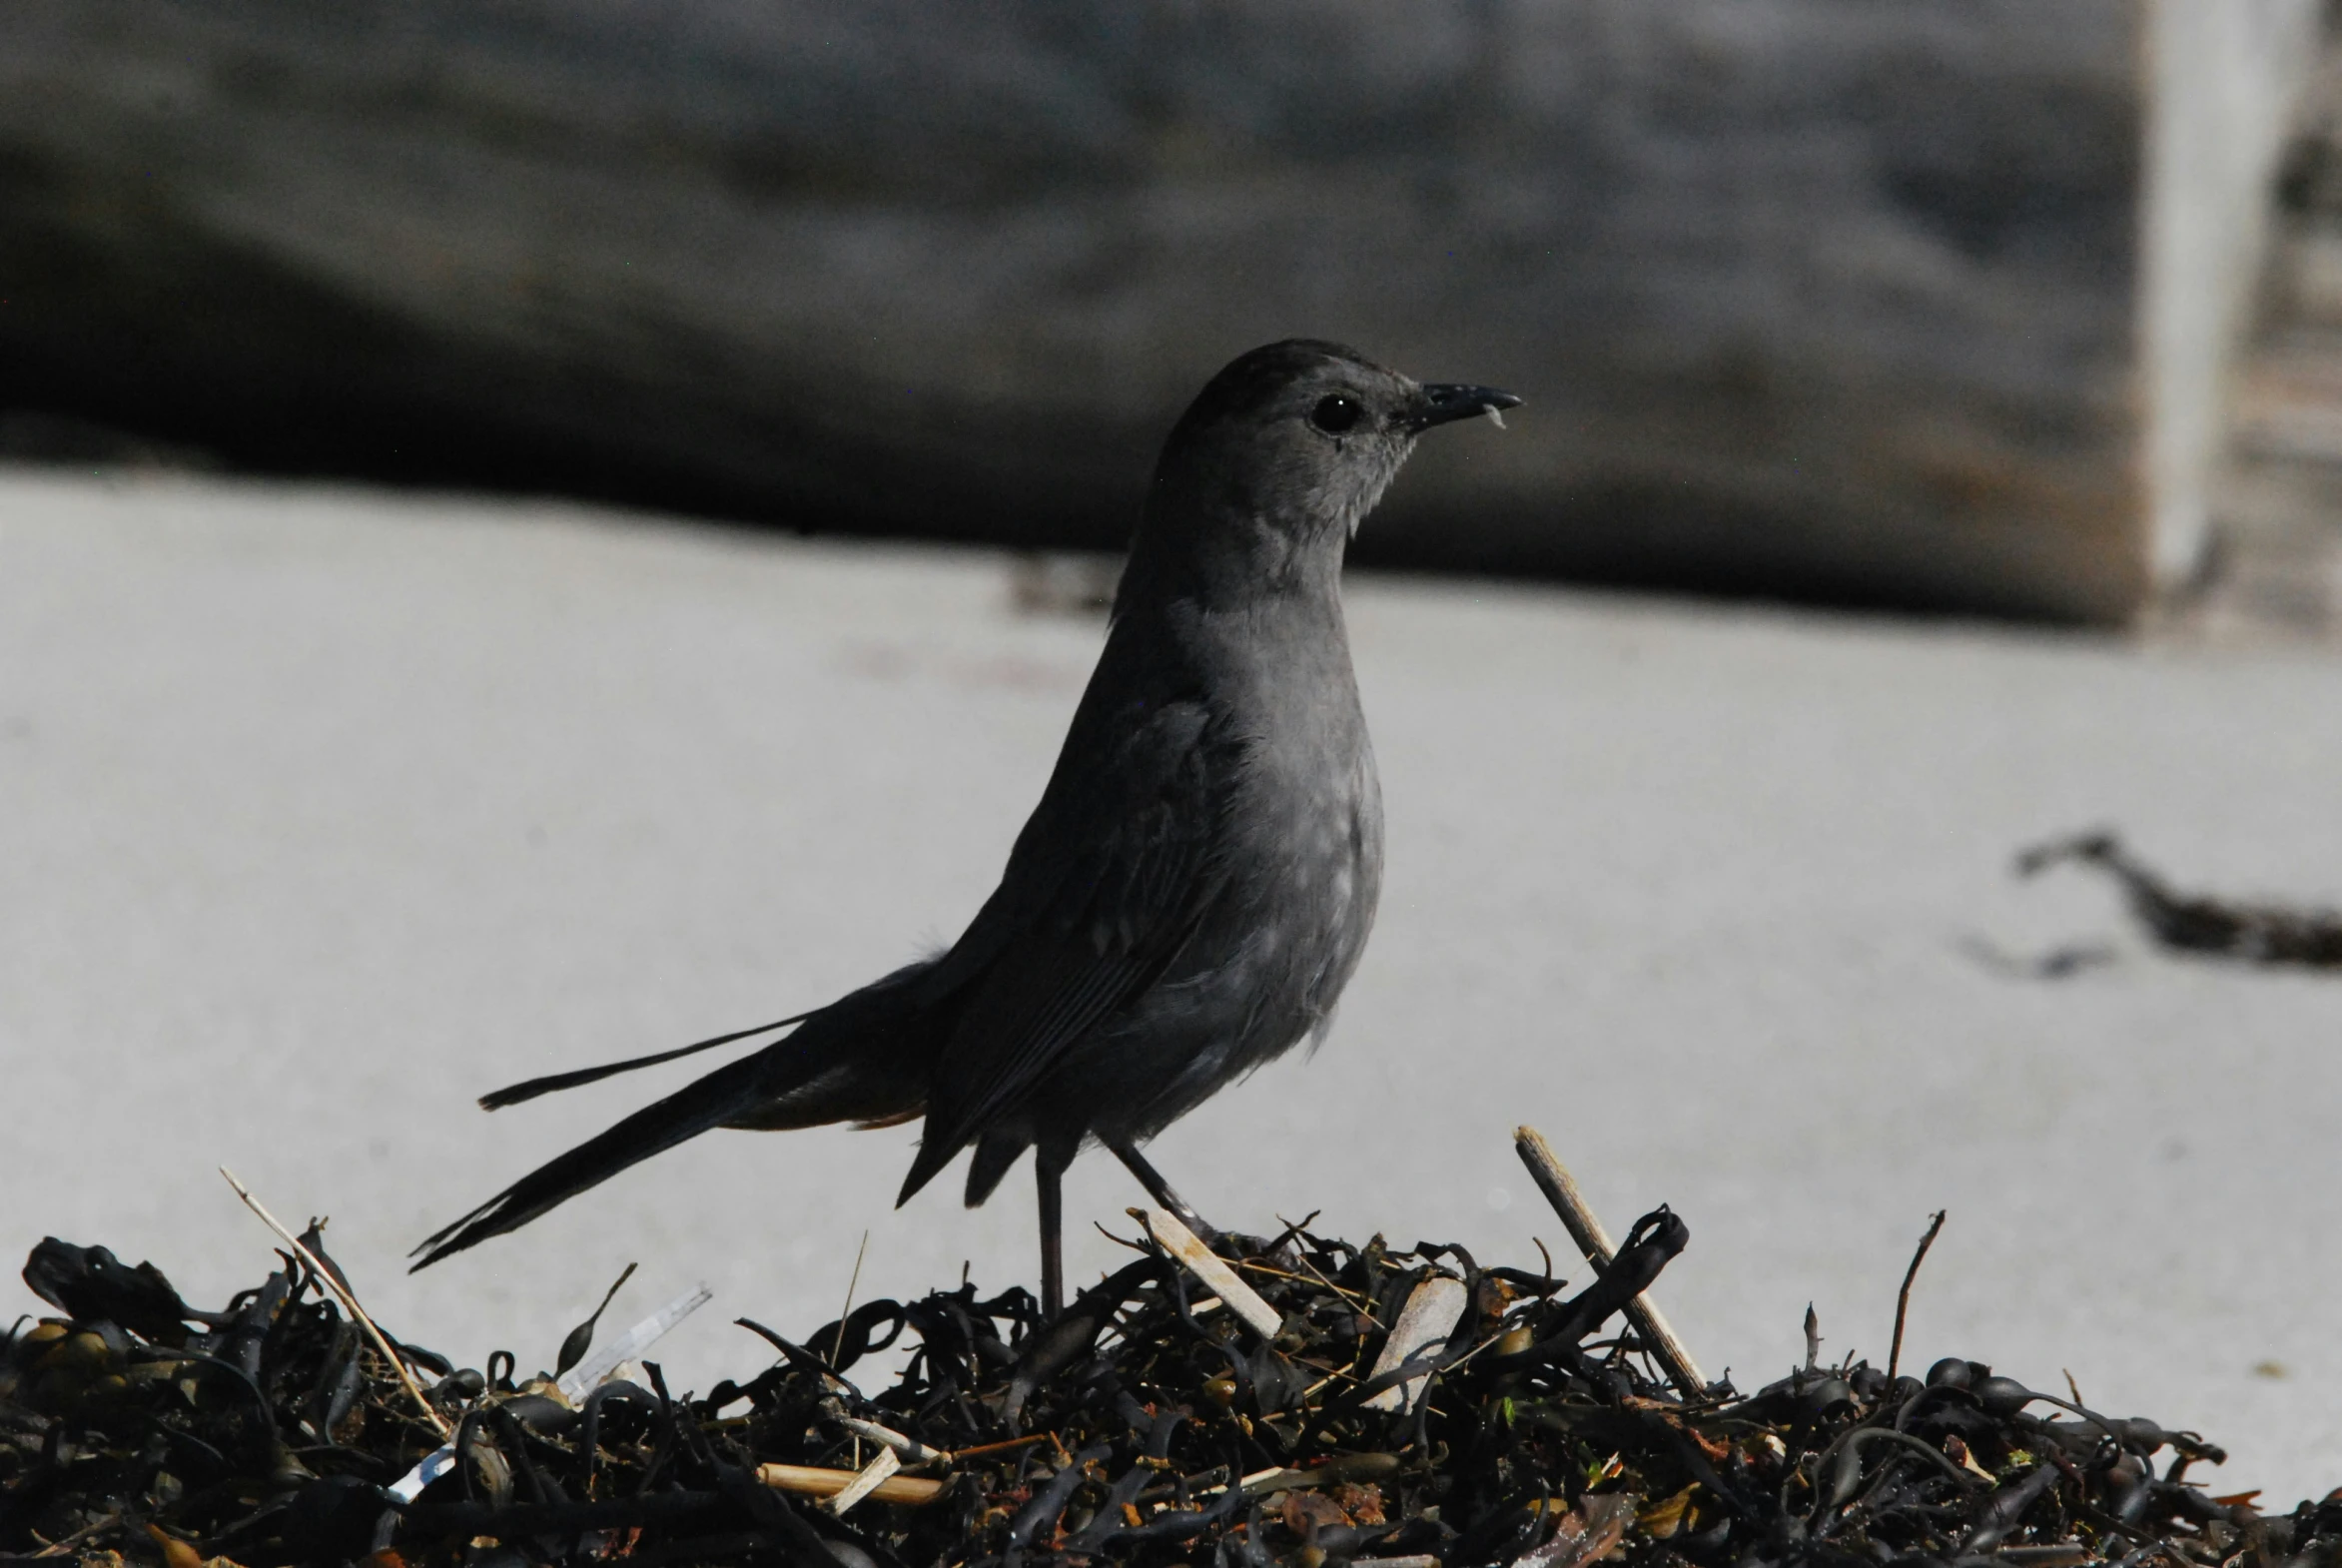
{"x": 1147, "y": 1426}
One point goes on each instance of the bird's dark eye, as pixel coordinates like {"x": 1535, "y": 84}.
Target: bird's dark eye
{"x": 1337, "y": 413}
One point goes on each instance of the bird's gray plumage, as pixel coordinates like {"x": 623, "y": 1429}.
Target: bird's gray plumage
{"x": 1197, "y": 884}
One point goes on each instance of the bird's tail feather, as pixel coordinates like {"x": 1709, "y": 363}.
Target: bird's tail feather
{"x": 654, "y": 1130}
{"x": 514, "y": 1093}
{"x": 865, "y": 1058}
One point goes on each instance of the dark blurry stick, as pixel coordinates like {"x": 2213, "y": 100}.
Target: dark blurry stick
{"x": 1561, "y": 1191}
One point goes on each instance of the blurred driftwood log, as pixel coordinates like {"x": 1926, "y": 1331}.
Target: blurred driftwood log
{"x": 1927, "y": 303}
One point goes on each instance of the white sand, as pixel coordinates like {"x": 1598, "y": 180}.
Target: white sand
{"x": 324, "y": 811}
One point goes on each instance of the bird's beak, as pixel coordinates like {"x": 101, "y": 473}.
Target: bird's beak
{"x": 1442, "y": 401}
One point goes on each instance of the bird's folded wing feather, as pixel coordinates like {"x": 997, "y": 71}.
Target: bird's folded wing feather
{"x": 1107, "y": 881}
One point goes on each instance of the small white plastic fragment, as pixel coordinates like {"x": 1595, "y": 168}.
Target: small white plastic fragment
{"x": 581, "y": 1379}
{"x": 575, "y": 1383}
{"x": 434, "y": 1465}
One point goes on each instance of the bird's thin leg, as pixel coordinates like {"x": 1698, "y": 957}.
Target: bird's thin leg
{"x": 1161, "y": 1190}
{"x": 1045, "y": 1178}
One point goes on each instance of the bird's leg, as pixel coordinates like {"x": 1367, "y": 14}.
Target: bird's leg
{"x": 1047, "y": 1175}
{"x": 1161, "y": 1190}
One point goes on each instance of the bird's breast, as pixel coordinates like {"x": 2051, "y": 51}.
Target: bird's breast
{"x": 1298, "y": 858}
{"x": 1307, "y": 862}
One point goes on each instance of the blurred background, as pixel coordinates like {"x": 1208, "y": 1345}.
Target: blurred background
{"x": 531, "y": 533}
{"x": 1937, "y": 306}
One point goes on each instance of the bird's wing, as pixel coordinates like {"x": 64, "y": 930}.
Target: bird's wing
{"x": 1106, "y": 883}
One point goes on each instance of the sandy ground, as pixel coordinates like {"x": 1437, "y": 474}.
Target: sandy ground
{"x": 324, "y": 811}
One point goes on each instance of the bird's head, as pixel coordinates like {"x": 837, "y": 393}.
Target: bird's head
{"x": 1283, "y": 453}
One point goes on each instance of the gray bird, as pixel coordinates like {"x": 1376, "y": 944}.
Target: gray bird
{"x": 1195, "y": 887}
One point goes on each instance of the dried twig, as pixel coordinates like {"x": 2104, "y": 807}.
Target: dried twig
{"x": 1200, "y": 1260}
{"x": 1903, "y": 1298}
{"x": 324, "y": 1277}
{"x": 1365, "y": 1307}
{"x": 816, "y": 1481}
{"x": 909, "y": 1449}
{"x": 1561, "y": 1191}
{"x": 838, "y": 1340}
{"x": 868, "y": 1479}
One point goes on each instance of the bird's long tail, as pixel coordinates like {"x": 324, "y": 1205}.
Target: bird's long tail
{"x": 514, "y": 1093}
{"x": 867, "y": 1057}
